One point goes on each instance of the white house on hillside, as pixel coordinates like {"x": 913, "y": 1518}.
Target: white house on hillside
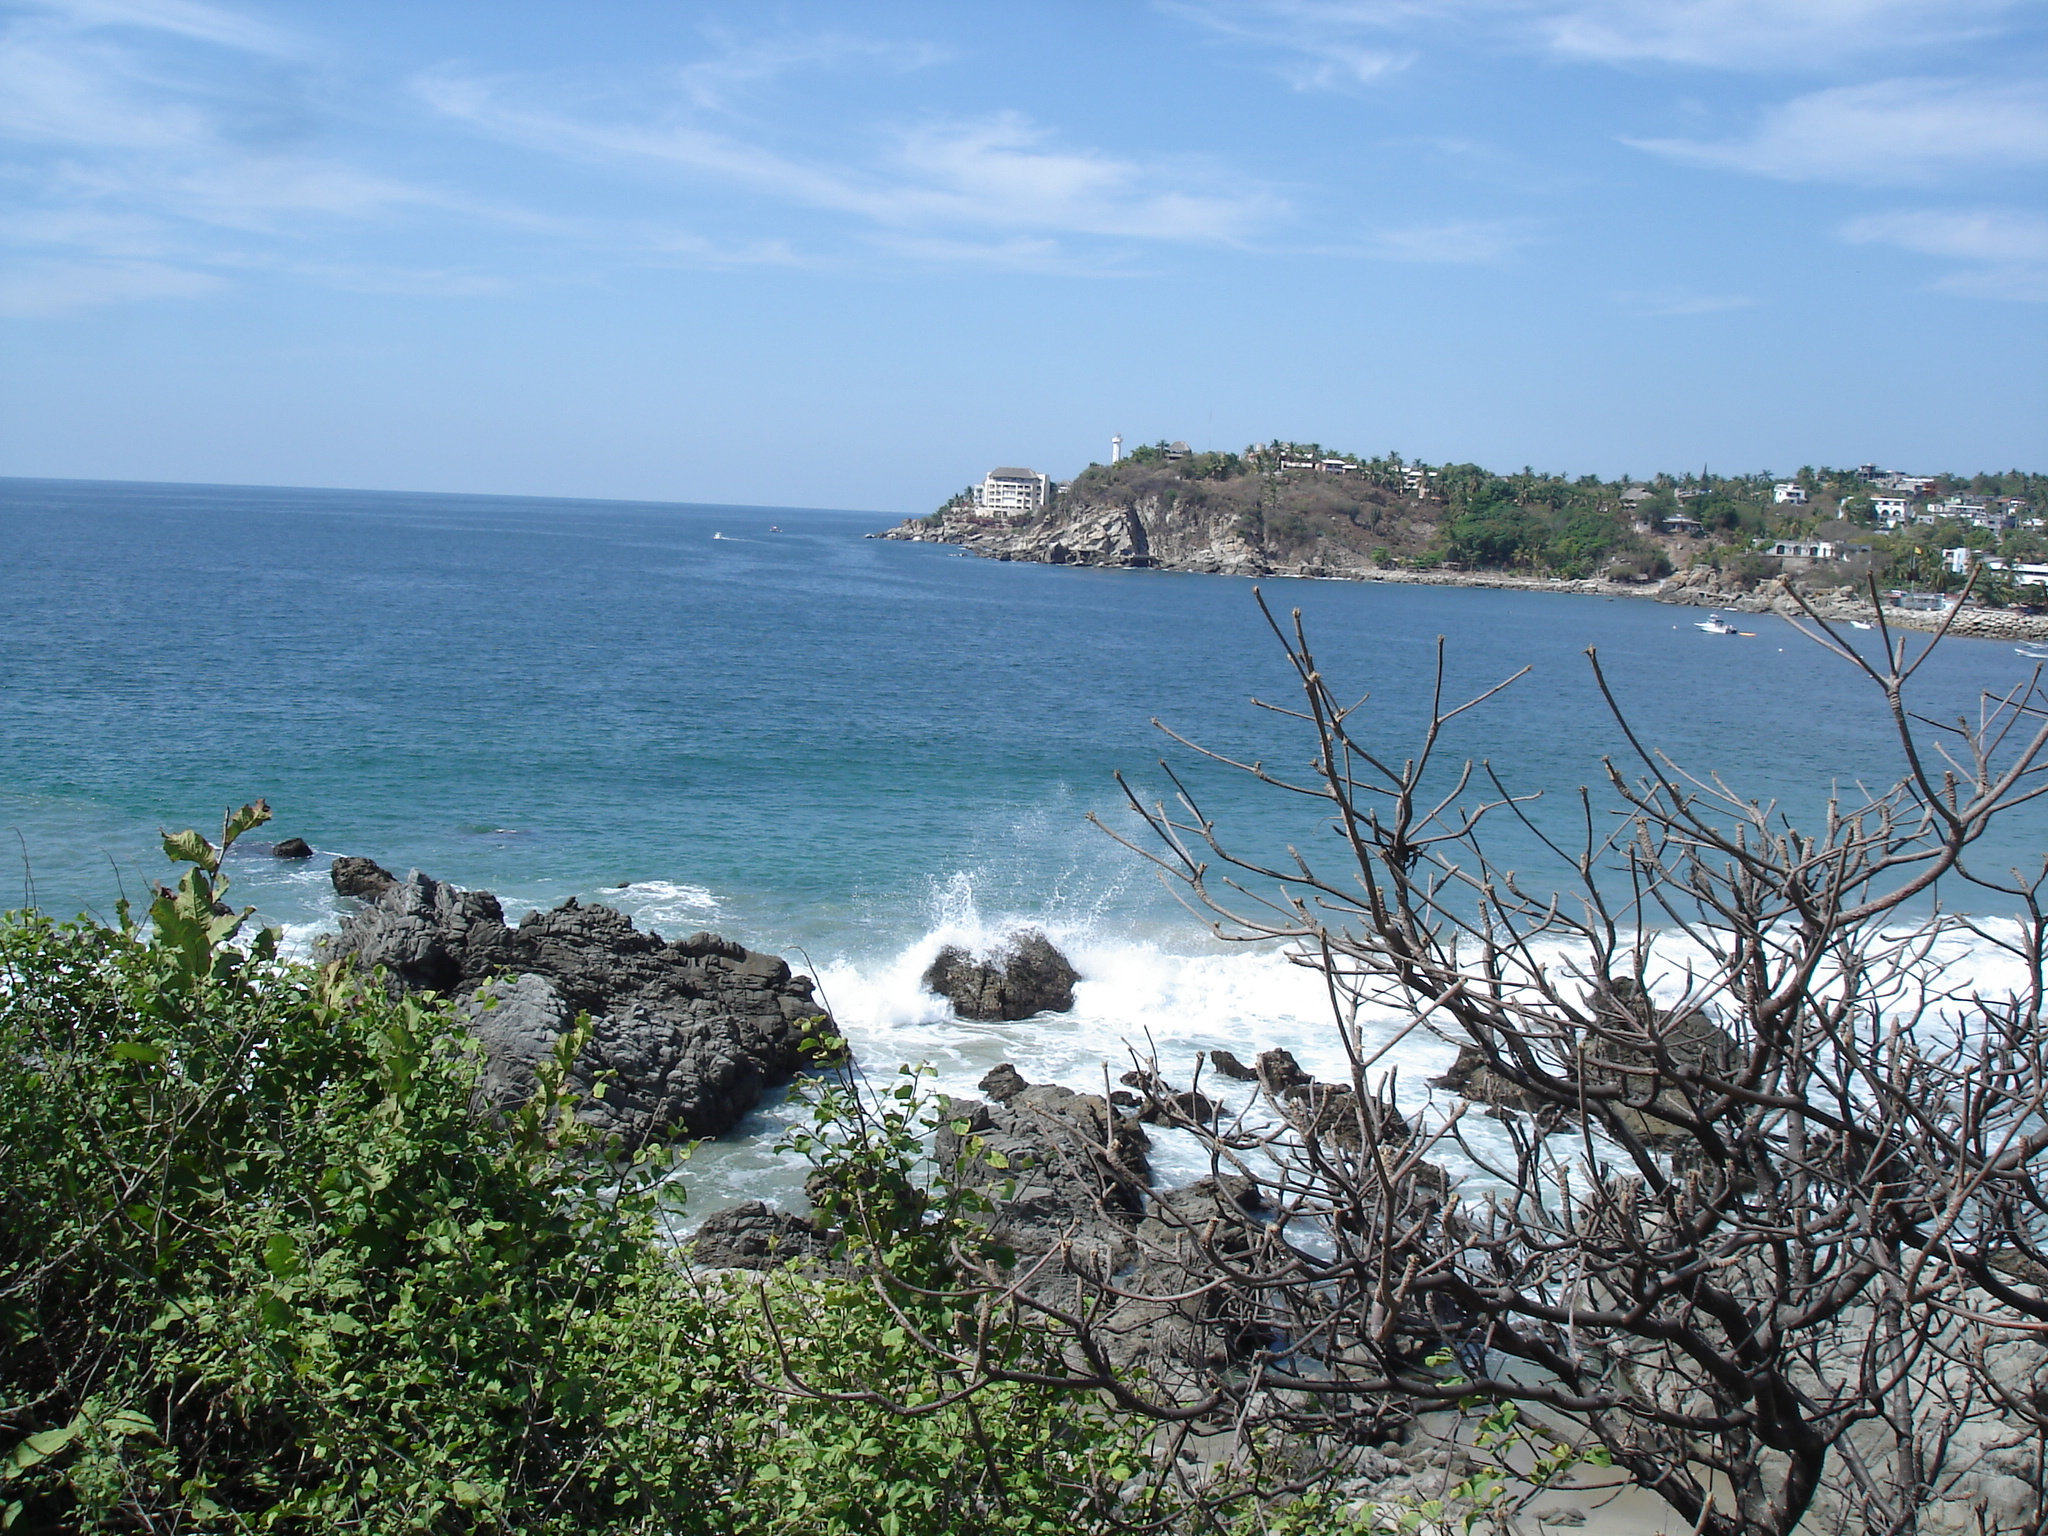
{"x": 1890, "y": 511}
{"x": 1004, "y": 492}
{"x": 1814, "y": 549}
{"x": 1789, "y": 493}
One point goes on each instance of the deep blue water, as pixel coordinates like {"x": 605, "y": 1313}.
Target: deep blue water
{"x": 804, "y": 738}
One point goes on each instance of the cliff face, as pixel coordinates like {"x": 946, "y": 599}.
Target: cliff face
{"x": 1145, "y": 533}
{"x": 1230, "y": 518}
{"x": 1248, "y": 526}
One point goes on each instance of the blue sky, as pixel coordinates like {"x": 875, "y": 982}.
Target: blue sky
{"x": 852, "y": 255}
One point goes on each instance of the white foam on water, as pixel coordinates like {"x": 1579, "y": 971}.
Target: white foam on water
{"x": 297, "y": 939}
{"x": 1177, "y": 995}
{"x": 672, "y": 908}
{"x": 1172, "y": 995}
{"x": 1173, "y": 992}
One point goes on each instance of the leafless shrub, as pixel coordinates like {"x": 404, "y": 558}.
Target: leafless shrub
{"x": 1758, "y": 1206}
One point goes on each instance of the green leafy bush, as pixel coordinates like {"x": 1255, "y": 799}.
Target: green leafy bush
{"x": 264, "y": 1266}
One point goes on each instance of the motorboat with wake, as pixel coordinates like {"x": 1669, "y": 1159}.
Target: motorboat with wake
{"x": 1714, "y": 624}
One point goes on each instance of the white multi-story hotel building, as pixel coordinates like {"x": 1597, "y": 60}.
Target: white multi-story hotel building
{"x": 1004, "y": 492}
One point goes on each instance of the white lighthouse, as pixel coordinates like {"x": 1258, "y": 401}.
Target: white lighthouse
{"x": 1116, "y": 448}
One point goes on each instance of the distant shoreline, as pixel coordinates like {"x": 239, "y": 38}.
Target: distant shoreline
{"x": 1837, "y": 607}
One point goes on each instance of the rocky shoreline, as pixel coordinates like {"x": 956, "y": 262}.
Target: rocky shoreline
{"x": 685, "y": 1036}
{"x": 1125, "y": 539}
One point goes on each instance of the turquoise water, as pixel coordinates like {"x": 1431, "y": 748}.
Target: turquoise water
{"x": 838, "y": 747}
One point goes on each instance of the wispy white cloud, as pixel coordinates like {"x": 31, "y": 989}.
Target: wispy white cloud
{"x": 744, "y": 63}
{"x": 1326, "y": 44}
{"x": 1451, "y": 242}
{"x": 2003, "y": 252}
{"x": 192, "y": 20}
{"x": 1680, "y": 302}
{"x": 1000, "y": 173}
{"x": 1884, "y": 132}
{"x": 1758, "y": 34}
{"x": 1314, "y": 45}
{"x": 157, "y": 146}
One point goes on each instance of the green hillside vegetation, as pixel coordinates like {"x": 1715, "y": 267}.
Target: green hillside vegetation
{"x": 1467, "y": 517}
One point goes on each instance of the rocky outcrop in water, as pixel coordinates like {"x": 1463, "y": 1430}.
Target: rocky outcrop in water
{"x": 361, "y": 879}
{"x": 1078, "y": 1168}
{"x": 1068, "y": 1176}
{"x": 685, "y": 1036}
{"x": 755, "y": 1235}
{"x": 1673, "y": 1043}
{"x": 1027, "y": 975}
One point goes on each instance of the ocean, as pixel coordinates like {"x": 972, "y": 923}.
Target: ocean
{"x": 847, "y": 750}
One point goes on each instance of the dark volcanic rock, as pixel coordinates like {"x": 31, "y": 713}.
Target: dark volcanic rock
{"x": 1333, "y": 1112}
{"x": 1470, "y": 1077}
{"x": 1003, "y": 1083}
{"x": 293, "y": 848}
{"x": 1643, "y": 1050}
{"x": 1171, "y": 1320}
{"x": 364, "y": 879}
{"x": 755, "y": 1236}
{"x": 1162, "y": 1104}
{"x": 1278, "y": 1071}
{"x": 1078, "y": 1168}
{"x": 1026, "y": 976}
{"x": 684, "y": 1036}
{"x": 1228, "y": 1064}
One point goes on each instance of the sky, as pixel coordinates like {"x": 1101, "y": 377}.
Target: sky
{"x": 856, "y": 255}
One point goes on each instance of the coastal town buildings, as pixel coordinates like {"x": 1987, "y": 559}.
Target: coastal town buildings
{"x": 1006, "y": 492}
{"x": 1814, "y": 549}
{"x": 1963, "y": 509}
{"x": 1962, "y": 560}
{"x": 1922, "y": 602}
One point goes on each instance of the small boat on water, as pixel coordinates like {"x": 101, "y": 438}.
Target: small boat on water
{"x": 1861, "y": 624}
{"x": 1714, "y": 624}
{"x": 2032, "y": 652}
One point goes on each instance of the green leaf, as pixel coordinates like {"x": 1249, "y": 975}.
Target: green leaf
{"x": 187, "y": 847}
{"x": 125, "y": 1422}
{"x": 252, "y": 815}
{"x": 40, "y": 1447}
{"x": 281, "y": 1256}
{"x": 136, "y": 1050}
